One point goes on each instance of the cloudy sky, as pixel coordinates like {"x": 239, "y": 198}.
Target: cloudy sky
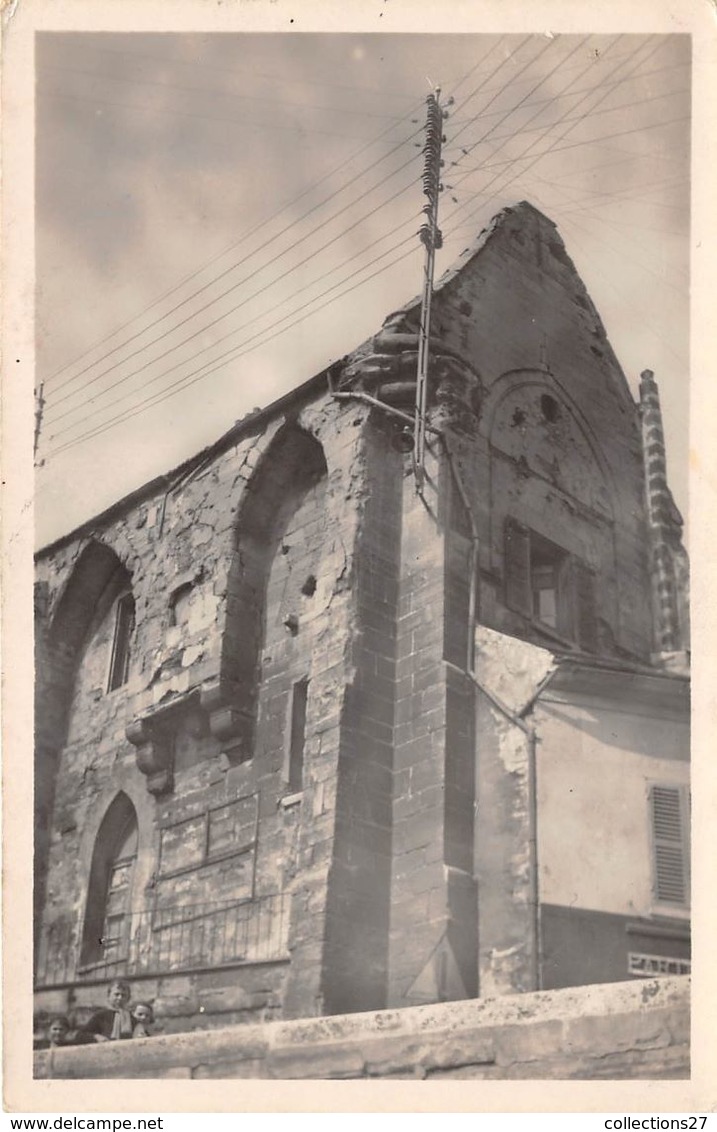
{"x": 220, "y": 216}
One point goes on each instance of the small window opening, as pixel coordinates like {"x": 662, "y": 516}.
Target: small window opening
{"x": 518, "y": 418}
{"x": 107, "y": 928}
{"x": 546, "y": 562}
{"x": 124, "y": 624}
{"x": 295, "y": 769}
{"x": 550, "y": 586}
{"x": 549, "y": 408}
{"x": 117, "y": 901}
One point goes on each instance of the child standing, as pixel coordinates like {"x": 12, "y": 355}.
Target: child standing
{"x": 114, "y": 1021}
{"x": 142, "y": 1018}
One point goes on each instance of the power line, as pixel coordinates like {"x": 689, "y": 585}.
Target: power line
{"x": 183, "y": 362}
{"x": 632, "y": 158}
{"x": 262, "y": 224}
{"x": 673, "y": 181}
{"x": 622, "y": 296}
{"x": 166, "y": 314}
{"x": 537, "y": 157}
{"x": 591, "y": 201}
{"x": 507, "y": 114}
{"x": 170, "y": 392}
{"x": 585, "y": 206}
{"x": 97, "y": 361}
{"x": 213, "y": 363}
{"x": 554, "y": 148}
{"x": 503, "y": 87}
{"x": 547, "y": 131}
{"x": 207, "y": 326}
{"x": 233, "y": 267}
{"x": 251, "y": 322}
{"x": 622, "y": 252}
{"x": 603, "y": 90}
{"x": 588, "y": 141}
{"x": 608, "y": 86}
{"x": 455, "y": 87}
{"x": 606, "y": 110}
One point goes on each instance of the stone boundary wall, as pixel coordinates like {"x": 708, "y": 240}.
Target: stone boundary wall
{"x": 612, "y": 1031}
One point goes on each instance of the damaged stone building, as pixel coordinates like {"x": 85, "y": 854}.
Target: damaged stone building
{"x": 312, "y": 741}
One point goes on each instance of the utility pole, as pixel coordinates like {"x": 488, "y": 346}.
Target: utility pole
{"x": 39, "y": 406}
{"x": 430, "y": 236}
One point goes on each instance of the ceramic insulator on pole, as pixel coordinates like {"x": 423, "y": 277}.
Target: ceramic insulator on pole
{"x": 430, "y": 236}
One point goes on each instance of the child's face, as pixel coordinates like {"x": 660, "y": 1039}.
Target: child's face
{"x": 57, "y": 1032}
{"x": 117, "y": 996}
{"x": 142, "y": 1014}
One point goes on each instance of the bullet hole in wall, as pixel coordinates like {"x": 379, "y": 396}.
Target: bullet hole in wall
{"x": 309, "y": 587}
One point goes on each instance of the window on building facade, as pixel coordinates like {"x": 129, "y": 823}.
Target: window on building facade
{"x": 124, "y": 624}
{"x": 548, "y": 586}
{"x": 294, "y": 766}
{"x": 669, "y": 820}
{"x": 109, "y": 897}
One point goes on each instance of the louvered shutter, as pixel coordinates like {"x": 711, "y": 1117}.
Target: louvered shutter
{"x": 518, "y": 596}
{"x": 585, "y": 606}
{"x": 669, "y": 845}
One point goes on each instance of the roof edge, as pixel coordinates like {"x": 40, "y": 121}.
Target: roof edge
{"x": 256, "y": 419}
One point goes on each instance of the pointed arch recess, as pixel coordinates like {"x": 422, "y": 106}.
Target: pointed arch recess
{"x": 292, "y": 464}
{"x": 108, "y": 908}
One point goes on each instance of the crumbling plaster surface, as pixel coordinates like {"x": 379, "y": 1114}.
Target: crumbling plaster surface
{"x": 513, "y": 670}
{"x": 510, "y": 674}
{"x": 182, "y": 542}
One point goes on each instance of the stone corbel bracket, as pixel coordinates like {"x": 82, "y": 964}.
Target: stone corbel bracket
{"x": 153, "y": 734}
{"x": 229, "y": 721}
{"x": 155, "y": 752}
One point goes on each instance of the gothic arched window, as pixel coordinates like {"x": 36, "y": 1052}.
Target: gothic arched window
{"x": 107, "y": 926}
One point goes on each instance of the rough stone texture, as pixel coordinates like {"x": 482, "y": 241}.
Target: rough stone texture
{"x": 556, "y": 476}
{"x": 179, "y": 652}
{"x": 387, "y": 856}
{"x": 616, "y": 1031}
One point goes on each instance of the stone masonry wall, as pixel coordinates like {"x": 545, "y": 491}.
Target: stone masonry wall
{"x": 216, "y": 828}
{"x": 360, "y": 878}
{"x": 296, "y": 563}
{"x": 612, "y": 1031}
{"x": 585, "y": 476}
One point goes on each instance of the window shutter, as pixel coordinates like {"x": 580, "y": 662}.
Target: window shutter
{"x": 585, "y": 606}
{"x": 518, "y": 596}
{"x": 669, "y": 845}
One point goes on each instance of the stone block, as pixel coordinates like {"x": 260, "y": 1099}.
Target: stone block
{"x": 176, "y": 1006}
{"x": 226, "y": 1070}
{"x": 634, "y": 1030}
{"x": 220, "y": 1000}
{"x": 324, "y": 1062}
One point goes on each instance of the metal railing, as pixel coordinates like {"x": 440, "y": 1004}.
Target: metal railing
{"x": 167, "y": 939}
